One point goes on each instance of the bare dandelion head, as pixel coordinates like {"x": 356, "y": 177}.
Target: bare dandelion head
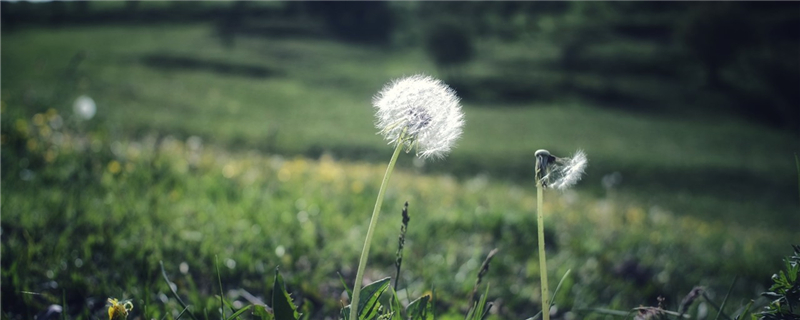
{"x": 419, "y": 111}
{"x": 560, "y": 173}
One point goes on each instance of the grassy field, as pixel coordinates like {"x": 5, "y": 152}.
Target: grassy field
{"x": 289, "y": 166}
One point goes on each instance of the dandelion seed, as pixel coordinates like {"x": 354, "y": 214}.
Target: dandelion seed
{"x": 419, "y": 111}
{"x": 84, "y": 107}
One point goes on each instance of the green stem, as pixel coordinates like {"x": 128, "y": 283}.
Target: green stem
{"x": 362, "y": 263}
{"x": 542, "y": 258}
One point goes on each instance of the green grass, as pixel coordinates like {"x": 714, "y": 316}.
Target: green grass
{"x": 291, "y": 163}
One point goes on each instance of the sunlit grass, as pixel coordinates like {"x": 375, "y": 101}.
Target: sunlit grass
{"x": 119, "y": 213}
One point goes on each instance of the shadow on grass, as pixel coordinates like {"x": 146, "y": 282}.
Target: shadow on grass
{"x": 174, "y": 62}
{"x": 713, "y": 194}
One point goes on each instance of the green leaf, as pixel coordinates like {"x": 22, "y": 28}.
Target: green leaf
{"x": 282, "y": 306}
{"x": 420, "y": 309}
{"x": 368, "y": 306}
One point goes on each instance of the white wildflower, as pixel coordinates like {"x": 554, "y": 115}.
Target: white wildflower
{"x": 561, "y": 173}
{"x": 84, "y": 107}
{"x": 419, "y": 111}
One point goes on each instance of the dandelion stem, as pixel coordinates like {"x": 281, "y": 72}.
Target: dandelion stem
{"x": 542, "y": 258}
{"x": 362, "y": 263}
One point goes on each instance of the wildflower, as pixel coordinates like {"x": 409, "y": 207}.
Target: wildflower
{"x": 560, "y": 173}
{"x": 419, "y": 111}
{"x": 119, "y": 309}
{"x": 84, "y": 107}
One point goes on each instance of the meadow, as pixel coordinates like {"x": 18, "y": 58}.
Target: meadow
{"x": 263, "y": 154}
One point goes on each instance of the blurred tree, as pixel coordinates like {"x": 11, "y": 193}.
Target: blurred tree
{"x": 449, "y": 44}
{"x": 369, "y": 22}
{"x": 231, "y": 20}
{"x": 715, "y": 33}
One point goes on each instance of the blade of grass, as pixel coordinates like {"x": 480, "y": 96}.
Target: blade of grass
{"x": 797, "y": 162}
{"x": 394, "y": 303}
{"x": 180, "y": 314}
{"x": 64, "y": 304}
{"x": 488, "y": 307}
{"x": 219, "y": 280}
{"x": 174, "y": 293}
{"x": 344, "y": 284}
{"x": 609, "y": 312}
{"x": 471, "y": 311}
{"x": 722, "y": 307}
{"x": 714, "y": 305}
{"x": 237, "y": 313}
{"x": 558, "y": 287}
{"x": 745, "y": 311}
{"x": 672, "y": 313}
{"x": 535, "y": 316}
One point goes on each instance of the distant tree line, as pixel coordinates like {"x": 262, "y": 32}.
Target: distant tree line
{"x": 746, "y": 51}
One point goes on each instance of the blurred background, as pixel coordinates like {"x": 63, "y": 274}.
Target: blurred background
{"x": 242, "y": 132}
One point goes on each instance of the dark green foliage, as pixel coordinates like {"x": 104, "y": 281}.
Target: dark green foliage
{"x": 368, "y": 22}
{"x": 785, "y": 290}
{"x": 448, "y": 43}
{"x": 715, "y": 33}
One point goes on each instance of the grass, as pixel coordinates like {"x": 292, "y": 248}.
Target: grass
{"x": 286, "y": 178}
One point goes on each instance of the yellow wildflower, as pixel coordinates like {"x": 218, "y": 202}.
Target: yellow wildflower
{"x": 114, "y": 166}
{"x": 118, "y": 310}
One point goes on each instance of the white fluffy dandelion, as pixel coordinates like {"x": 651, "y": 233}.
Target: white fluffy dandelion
{"x": 561, "y": 173}
{"x": 419, "y": 111}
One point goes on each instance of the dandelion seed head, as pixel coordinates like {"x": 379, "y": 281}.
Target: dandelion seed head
{"x": 419, "y": 111}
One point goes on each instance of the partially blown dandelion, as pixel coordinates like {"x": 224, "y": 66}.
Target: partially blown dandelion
{"x": 414, "y": 112}
{"x": 559, "y": 173}
{"x": 419, "y": 111}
